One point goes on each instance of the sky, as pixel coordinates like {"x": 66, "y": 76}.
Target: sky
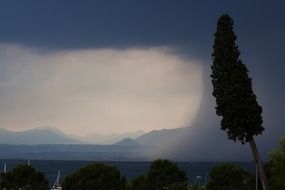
{"x": 117, "y": 66}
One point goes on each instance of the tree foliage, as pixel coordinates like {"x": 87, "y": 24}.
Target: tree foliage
{"x": 139, "y": 183}
{"x": 276, "y": 167}
{"x": 230, "y": 177}
{"x": 163, "y": 174}
{"x": 166, "y": 174}
{"x": 196, "y": 187}
{"x": 24, "y": 177}
{"x": 95, "y": 176}
{"x": 235, "y": 99}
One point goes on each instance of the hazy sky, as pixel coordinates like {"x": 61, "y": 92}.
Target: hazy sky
{"x": 104, "y": 90}
{"x": 115, "y": 66}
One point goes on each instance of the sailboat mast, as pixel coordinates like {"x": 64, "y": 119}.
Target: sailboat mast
{"x": 58, "y": 177}
{"x": 5, "y": 168}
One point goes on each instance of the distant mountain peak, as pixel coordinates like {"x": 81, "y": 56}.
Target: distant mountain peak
{"x": 128, "y": 142}
{"x": 97, "y": 138}
{"x": 48, "y": 128}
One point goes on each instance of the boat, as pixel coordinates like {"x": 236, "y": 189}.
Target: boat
{"x": 5, "y": 168}
{"x": 56, "y": 185}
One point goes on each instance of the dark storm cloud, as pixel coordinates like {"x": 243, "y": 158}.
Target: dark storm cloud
{"x": 187, "y": 25}
{"x": 89, "y": 24}
{"x": 85, "y": 24}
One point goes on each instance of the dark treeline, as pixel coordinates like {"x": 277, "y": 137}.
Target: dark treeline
{"x": 162, "y": 175}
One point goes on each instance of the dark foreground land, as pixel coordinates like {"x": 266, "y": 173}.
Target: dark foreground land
{"x": 196, "y": 171}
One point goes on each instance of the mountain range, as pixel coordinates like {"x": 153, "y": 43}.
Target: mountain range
{"x": 50, "y": 135}
{"x": 35, "y": 136}
{"x": 197, "y": 143}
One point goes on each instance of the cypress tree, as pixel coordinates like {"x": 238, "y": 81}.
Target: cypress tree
{"x": 232, "y": 88}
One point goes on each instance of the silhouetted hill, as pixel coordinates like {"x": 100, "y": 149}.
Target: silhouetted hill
{"x": 203, "y": 143}
{"x": 128, "y": 142}
{"x": 160, "y": 137}
{"x": 97, "y": 138}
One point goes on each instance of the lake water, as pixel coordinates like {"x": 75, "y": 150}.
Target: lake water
{"x": 128, "y": 169}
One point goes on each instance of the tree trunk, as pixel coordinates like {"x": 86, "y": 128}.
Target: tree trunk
{"x": 258, "y": 162}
